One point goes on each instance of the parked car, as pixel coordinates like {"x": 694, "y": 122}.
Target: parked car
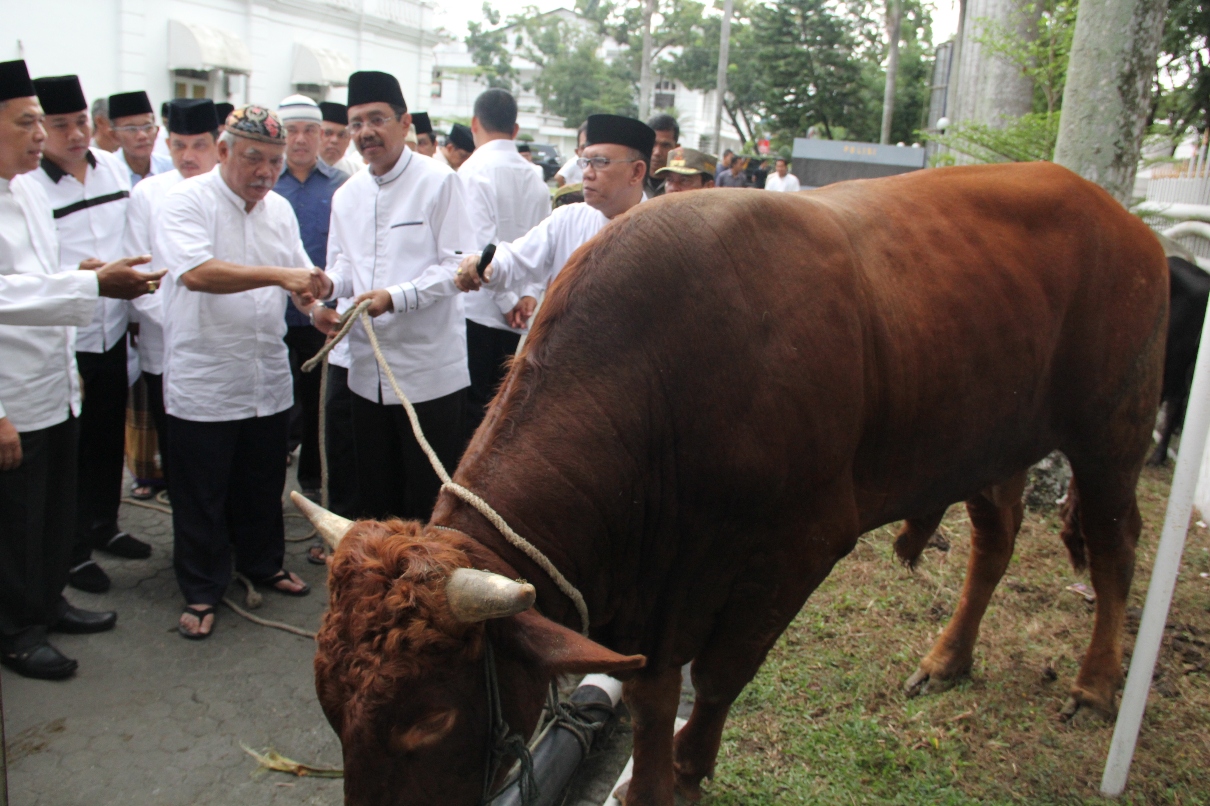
{"x": 548, "y": 157}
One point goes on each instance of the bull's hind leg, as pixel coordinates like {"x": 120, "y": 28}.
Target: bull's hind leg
{"x": 995, "y": 515}
{"x": 652, "y": 698}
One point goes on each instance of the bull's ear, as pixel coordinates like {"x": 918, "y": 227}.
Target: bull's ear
{"x": 559, "y": 650}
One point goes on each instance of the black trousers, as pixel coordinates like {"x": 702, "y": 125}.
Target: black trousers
{"x": 487, "y": 352}
{"x": 226, "y": 486}
{"x": 394, "y": 477}
{"x": 155, "y": 403}
{"x": 102, "y": 448}
{"x": 342, "y": 455}
{"x": 303, "y": 343}
{"x": 37, "y": 530}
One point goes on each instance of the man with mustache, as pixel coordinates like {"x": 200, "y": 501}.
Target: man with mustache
{"x": 398, "y": 230}
{"x": 335, "y": 139}
{"x": 230, "y": 245}
{"x": 193, "y": 143}
{"x": 133, "y": 125}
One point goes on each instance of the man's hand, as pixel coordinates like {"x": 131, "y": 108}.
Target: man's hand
{"x": 301, "y": 284}
{"x": 91, "y": 264}
{"x": 467, "y": 278}
{"x": 326, "y": 319}
{"x": 10, "y": 445}
{"x": 120, "y": 280}
{"x": 519, "y": 316}
{"x": 321, "y": 284}
{"x": 380, "y": 301}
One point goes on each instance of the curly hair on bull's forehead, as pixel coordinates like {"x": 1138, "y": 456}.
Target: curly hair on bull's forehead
{"x": 389, "y": 620}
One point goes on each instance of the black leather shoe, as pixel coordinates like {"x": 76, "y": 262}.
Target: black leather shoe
{"x": 125, "y": 546}
{"x": 41, "y": 661}
{"x": 89, "y": 577}
{"x": 78, "y": 622}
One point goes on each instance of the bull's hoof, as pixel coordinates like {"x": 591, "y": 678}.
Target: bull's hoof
{"x": 1084, "y": 703}
{"x": 922, "y": 682}
{"x": 688, "y": 791}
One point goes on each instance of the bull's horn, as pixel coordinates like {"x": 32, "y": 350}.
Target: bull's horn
{"x": 331, "y": 527}
{"x": 481, "y": 595}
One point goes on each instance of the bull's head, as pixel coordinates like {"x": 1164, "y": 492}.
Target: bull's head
{"x": 400, "y": 667}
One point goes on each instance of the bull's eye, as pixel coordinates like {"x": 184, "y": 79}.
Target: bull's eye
{"x": 431, "y": 729}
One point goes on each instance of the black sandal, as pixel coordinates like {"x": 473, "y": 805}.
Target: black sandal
{"x": 199, "y": 612}
{"x": 281, "y": 576}
{"x": 317, "y": 554}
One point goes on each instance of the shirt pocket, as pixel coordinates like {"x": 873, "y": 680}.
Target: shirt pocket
{"x": 411, "y": 244}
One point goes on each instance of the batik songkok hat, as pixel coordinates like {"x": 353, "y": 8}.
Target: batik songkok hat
{"x": 192, "y": 116}
{"x": 334, "y": 113}
{"x": 60, "y": 95}
{"x": 422, "y": 124}
{"x": 299, "y": 107}
{"x": 256, "y": 123}
{"x": 374, "y": 87}
{"x": 14, "y": 81}
{"x": 462, "y": 138}
{"x": 125, "y": 104}
{"x": 621, "y": 131}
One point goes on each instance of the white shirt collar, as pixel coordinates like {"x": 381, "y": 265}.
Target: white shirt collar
{"x": 230, "y": 195}
{"x": 405, "y": 159}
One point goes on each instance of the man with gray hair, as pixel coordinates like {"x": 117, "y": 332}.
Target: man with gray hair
{"x": 102, "y": 127}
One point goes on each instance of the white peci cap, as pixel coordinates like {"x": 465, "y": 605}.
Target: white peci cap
{"x": 299, "y": 107}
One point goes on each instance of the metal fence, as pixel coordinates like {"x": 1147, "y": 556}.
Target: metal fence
{"x": 1185, "y": 183}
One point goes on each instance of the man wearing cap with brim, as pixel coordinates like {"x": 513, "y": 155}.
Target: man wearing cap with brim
{"x": 336, "y": 146}
{"x": 134, "y": 126}
{"x": 230, "y": 245}
{"x": 41, "y": 304}
{"x": 459, "y": 146}
{"x": 614, "y": 161}
{"x": 193, "y": 143}
{"x": 687, "y": 169}
{"x": 398, "y": 229}
{"x": 308, "y": 184}
{"x": 426, "y": 138}
{"x": 89, "y": 191}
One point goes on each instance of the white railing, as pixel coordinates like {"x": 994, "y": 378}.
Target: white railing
{"x": 401, "y": 12}
{"x": 1181, "y": 194}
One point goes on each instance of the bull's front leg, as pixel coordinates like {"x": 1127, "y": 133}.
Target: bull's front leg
{"x": 653, "y": 699}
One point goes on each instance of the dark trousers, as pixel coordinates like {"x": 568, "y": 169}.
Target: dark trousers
{"x": 226, "y": 486}
{"x": 102, "y": 448}
{"x": 304, "y": 342}
{"x": 155, "y": 404}
{"x": 394, "y": 477}
{"x": 487, "y": 352}
{"x": 342, "y": 456}
{"x": 37, "y": 530}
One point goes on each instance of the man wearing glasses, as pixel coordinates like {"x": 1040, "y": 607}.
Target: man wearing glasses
{"x": 133, "y": 124}
{"x": 614, "y": 161}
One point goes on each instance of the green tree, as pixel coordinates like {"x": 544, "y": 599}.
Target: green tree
{"x": 1182, "y": 94}
{"x": 487, "y": 49}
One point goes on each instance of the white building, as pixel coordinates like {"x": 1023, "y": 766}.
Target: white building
{"x": 239, "y": 51}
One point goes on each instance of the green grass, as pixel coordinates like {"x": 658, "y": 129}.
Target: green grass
{"x": 825, "y": 720}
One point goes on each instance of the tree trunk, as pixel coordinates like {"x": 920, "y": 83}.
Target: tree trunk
{"x": 990, "y": 89}
{"x": 893, "y": 16}
{"x": 724, "y": 44}
{"x": 1108, "y": 92}
{"x": 646, "y": 80}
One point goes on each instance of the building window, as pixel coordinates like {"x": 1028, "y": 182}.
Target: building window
{"x": 435, "y": 92}
{"x": 316, "y": 92}
{"x": 665, "y": 94}
{"x": 190, "y": 84}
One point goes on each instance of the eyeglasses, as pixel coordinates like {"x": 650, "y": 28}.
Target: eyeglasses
{"x": 376, "y": 122}
{"x": 598, "y": 163}
{"x": 147, "y": 128}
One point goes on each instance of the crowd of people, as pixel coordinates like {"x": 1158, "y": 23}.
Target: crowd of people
{"x": 213, "y": 256}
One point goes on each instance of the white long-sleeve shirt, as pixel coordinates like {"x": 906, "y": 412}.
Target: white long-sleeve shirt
{"x": 777, "y": 184}
{"x": 537, "y": 257}
{"x": 504, "y": 199}
{"x": 145, "y": 202}
{"x": 224, "y": 354}
{"x": 90, "y": 219}
{"x": 39, "y": 309}
{"x": 404, "y": 232}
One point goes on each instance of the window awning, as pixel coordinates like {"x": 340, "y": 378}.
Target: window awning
{"x": 326, "y": 68}
{"x": 193, "y": 46}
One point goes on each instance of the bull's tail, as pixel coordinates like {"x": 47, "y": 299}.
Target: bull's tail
{"x": 915, "y": 535}
{"x": 1073, "y": 531}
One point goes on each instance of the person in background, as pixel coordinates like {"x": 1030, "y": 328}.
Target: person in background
{"x": 135, "y": 128}
{"x": 230, "y": 245}
{"x": 161, "y": 137}
{"x": 89, "y": 190}
{"x": 308, "y": 184}
{"x": 335, "y": 146}
{"x": 782, "y": 180}
{"x": 224, "y": 111}
{"x": 527, "y": 154}
{"x": 688, "y": 169}
{"x": 41, "y": 304}
{"x": 570, "y": 173}
{"x": 734, "y": 176}
{"x": 459, "y": 145}
{"x": 102, "y": 129}
{"x": 568, "y": 194}
{"x": 504, "y": 200}
{"x": 426, "y": 140}
{"x": 667, "y": 137}
{"x": 724, "y": 164}
{"x": 193, "y": 143}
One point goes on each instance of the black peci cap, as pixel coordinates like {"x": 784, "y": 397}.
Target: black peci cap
{"x": 223, "y": 110}
{"x": 374, "y": 87}
{"x": 334, "y": 112}
{"x": 462, "y": 138}
{"x": 423, "y": 125}
{"x": 14, "y": 80}
{"x": 125, "y": 104}
{"x": 192, "y": 116}
{"x": 60, "y": 95}
{"x": 621, "y": 131}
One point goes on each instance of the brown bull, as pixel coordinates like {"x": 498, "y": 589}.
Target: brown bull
{"x": 699, "y": 428}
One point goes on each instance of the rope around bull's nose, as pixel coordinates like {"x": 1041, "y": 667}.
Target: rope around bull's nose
{"x": 360, "y": 311}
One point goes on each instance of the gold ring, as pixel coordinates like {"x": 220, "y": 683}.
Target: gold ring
{"x": 152, "y": 285}
{"x": 459, "y": 270}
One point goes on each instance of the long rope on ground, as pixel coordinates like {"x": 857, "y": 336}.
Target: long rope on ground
{"x": 361, "y": 311}
{"x": 264, "y": 622}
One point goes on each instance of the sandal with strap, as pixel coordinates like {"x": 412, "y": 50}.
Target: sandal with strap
{"x": 317, "y": 554}
{"x": 199, "y": 612}
{"x": 284, "y": 576}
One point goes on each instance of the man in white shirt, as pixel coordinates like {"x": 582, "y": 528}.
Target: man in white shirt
{"x": 193, "y": 143}
{"x": 614, "y": 162}
{"x": 102, "y": 130}
{"x": 336, "y": 148}
{"x": 459, "y": 146}
{"x": 504, "y": 200}
{"x": 782, "y": 181}
{"x": 397, "y": 231}
{"x": 89, "y": 189}
{"x": 39, "y": 395}
{"x": 570, "y": 173}
{"x": 230, "y": 246}
{"x": 135, "y": 128}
